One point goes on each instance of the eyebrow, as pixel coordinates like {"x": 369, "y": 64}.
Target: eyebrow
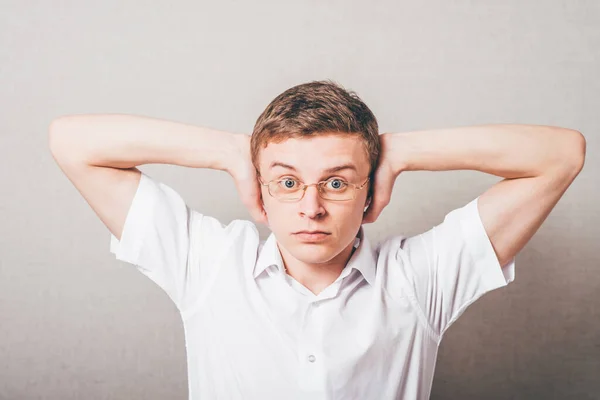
{"x": 330, "y": 170}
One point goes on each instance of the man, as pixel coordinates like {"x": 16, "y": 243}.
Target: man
{"x": 316, "y": 311}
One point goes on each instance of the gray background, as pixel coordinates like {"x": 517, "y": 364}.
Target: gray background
{"x": 78, "y": 324}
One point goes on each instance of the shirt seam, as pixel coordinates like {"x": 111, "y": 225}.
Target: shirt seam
{"x": 429, "y": 263}
{"x": 415, "y": 303}
{"x": 190, "y": 311}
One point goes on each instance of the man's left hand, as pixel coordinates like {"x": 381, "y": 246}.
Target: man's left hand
{"x": 385, "y": 176}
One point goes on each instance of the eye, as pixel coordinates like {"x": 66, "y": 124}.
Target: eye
{"x": 288, "y": 183}
{"x": 336, "y": 184}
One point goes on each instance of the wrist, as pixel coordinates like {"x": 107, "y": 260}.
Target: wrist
{"x": 393, "y": 150}
{"x": 238, "y": 154}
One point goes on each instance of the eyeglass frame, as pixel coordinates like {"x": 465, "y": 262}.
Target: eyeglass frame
{"x": 304, "y": 186}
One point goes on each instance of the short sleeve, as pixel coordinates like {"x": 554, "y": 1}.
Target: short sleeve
{"x": 171, "y": 244}
{"x": 451, "y": 265}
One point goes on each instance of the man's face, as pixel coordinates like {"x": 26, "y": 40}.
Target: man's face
{"x": 311, "y": 158}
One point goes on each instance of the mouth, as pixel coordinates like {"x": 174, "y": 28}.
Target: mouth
{"x": 311, "y": 236}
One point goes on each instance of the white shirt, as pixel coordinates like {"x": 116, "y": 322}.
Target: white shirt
{"x": 253, "y": 332}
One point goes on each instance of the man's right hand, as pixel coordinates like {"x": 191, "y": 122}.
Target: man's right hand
{"x": 246, "y": 181}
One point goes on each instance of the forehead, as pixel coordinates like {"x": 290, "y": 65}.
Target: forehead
{"x": 317, "y": 153}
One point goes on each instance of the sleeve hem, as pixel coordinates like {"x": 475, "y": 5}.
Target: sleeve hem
{"x": 493, "y": 274}
{"x": 136, "y": 223}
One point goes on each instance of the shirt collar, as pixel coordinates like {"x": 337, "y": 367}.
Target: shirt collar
{"x": 364, "y": 258}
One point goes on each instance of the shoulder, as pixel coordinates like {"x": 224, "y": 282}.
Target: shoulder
{"x": 213, "y": 234}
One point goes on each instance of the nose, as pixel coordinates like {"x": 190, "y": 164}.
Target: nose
{"x": 311, "y": 204}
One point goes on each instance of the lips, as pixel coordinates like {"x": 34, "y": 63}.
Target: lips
{"x": 312, "y": 236}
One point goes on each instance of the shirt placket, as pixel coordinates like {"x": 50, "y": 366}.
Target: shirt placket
{"x": 312, "y": 376}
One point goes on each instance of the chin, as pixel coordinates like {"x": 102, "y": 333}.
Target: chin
{"x": 313, "y": 254}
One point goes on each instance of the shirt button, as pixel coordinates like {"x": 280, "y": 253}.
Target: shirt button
{"x": 311, "y": 358}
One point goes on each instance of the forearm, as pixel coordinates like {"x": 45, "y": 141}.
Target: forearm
{"x": 126, "y": 141}
{"x": 506, "y": 150}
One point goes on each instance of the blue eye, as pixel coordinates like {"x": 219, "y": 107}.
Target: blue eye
{"x": 337, "y": 184}
{"x": 286, "y": 182}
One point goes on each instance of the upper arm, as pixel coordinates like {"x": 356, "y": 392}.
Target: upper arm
{"x": 450, "y": 266}
{"x": 108, "y": 191}
{"x": 473, "y": 250}
{"x": 514, "y": 209}
{"x": 175, "y": 246}
{"x": 152, "y": 227}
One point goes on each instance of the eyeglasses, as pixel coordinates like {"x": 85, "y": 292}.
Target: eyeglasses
{"x": 335, "y": 189}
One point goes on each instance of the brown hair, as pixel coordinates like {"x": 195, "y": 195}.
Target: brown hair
{"x": 317, "y": 107}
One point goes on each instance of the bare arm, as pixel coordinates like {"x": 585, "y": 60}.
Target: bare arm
{"x": 99, "y": 155}
{"x": 126, "y": 141}
{"x": 538, "y": 163}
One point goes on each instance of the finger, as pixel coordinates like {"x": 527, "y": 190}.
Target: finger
{"x": 370, "y": 213}
{"x": 370, "y": 216}
{"x": 257, "y": 211}
{"x": 374, "y": 207}
{"x": 379, "y": 202}
{"x": 259, "y": 205}
{"x": 260, "y": 214}
{"x": 251, "y": 205}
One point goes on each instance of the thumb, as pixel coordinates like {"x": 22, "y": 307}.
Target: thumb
{"x": 368, "y": 212}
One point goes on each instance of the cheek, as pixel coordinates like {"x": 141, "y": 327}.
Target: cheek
{"x": 277, "y": 213}
{"x": 358, "y": 214}
{"x": 349, "y": 219}
{"x": 355, "y": 217}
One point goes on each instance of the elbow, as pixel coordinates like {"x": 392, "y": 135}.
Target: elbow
{"x": 570, "y": 155}
{"x": 577, "y": 151}
{"x": 56, "y": 126}
{"x": 52, "y": 133}
{"x": 58, "y": 129}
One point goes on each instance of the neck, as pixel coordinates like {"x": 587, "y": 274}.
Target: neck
{"x": 317, "y": 277}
